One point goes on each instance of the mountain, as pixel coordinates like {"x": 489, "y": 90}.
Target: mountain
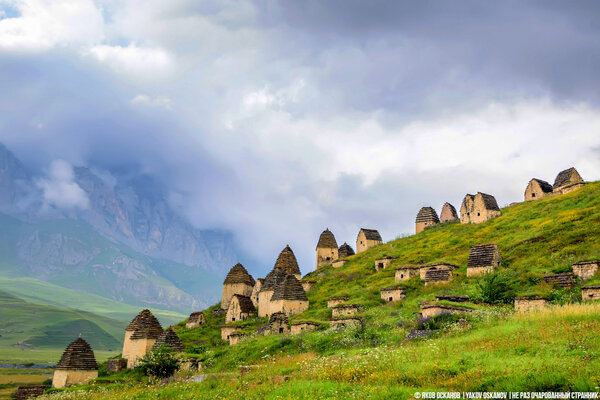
{"x": 126, "y": 243}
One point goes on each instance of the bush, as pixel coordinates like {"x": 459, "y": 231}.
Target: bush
{"x": 159, "y": 363}
{"x": 495, "y": 289}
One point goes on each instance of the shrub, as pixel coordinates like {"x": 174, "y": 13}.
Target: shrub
{"x": 495, "y": 289}
{"x": 159, "y": 363}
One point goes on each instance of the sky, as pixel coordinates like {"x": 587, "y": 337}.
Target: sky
{"x": 276, "y": 120}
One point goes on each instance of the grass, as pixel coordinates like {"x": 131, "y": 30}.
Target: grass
{"x": 10, "y": 379}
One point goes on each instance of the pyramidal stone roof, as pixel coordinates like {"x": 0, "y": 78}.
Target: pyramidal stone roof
{"x": 238, "y": 274}
{"x": 371, "y": 234}
{"x": 78, "y": 355}
{"x": 345, "y": 251}
{"x": 287, "y": 261}
{"x": 482, "y": 255}
{"x": 289, "y": 289}
{"x": 245, "y": 302}
{"x": 169, "y": 339}
{"x": 564, "y": 177}
{"x": 327, "y": 240}
{"x": 273, "y": 278}
{"x": 145, "y": 326}
{"x": 489, "y": 201}
{"x": 427, "y": 214}
{"x": 545, "y": 186}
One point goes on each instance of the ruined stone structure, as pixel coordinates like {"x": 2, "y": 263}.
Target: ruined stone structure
{"x": 345, "y": 322}
{"x": 116, "y": 365}
{"x": 77, "y": 365}
{"x": 303, "y": 326}
{"x": 456, "y": 298}
{"x": 448, "y": 213}
{"x": 345, "y": 251}
{"x": 287, "y": 262}
{"x": 195, "y": 320}
{"x": 339, "y": 263}
{"x": 366, "y": 239}
{"x": 406, "y": 272}
{"x": 227, "y": 330}
{"x": 240, "y": 308}
{"x": 344, "y": 310}
{"x": 289, "y": 297}
{"x": 432, "y": 310}
{"x": 436, "y": 273}
{"x": 25, "y": 392}
{"x": 308, "y": 285}
{"x": 256, "y": 291}
{"x": 237, "y": 281}
{"x": 566, "y": 280}
{"x": 334, "y": 301}
{"x": 327, "y": 249}
{"x": 586, "y": 269}
{"x": 235, "y": 338}
{"x": 169, "y": 339}
{"x": 274, "y": 278}
{"x": 537, "y": 189}
{"x": 425, "y": 218}
{"x": 525, "y": 304}
{"x": 590, "y": 293}
{"x": 567, "y": 180}
{"x": 478, "y": 208}
{"x": 383, "y": 263}
{"x": 140, "y": 336}
{"x": 278, "y": 325}
{"x": 483, "y": 259}
{"x": 393, "y": 293}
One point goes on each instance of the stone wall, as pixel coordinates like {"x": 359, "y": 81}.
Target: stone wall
{"x": 300, "y": 327}
{"x": 590, "y": 293}
{"x": 134, "y": 349}
{"x": 341, "y": 323}
{"x": 67, "y": 377}
{"x": 569, "y": 188}
{"x": 405, "y": 273}
{"x": 264, "y": 300}
{"x": 236, "y": 288}
{"x": 395, "y": 294}
{"x": 256, "y": 291}
{"x": 432, "y": 310}
{"x": 529, "y": 304}
{"x": 421, "y": 226}
{"x": 234, "y": 313}
{"x": 235, "y": 338}
{"x": 383, "y": 263}
{"x": 326, "y": 256}
{"x": 476, "y": 271}
{"x": 338, "y": 263}
{"x": 227, "y": 330}
{"x": 334, "y": 301}
{"x": 586, "y": 270}
{"x": 116, "y": 364}
{"x": 363, "y": 244}
{"x": 288, "y": 307}
{"x": 345, "y": 310}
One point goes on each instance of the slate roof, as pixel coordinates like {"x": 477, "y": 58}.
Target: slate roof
{"x": 289, "y": 289}
{"x": 287, "y": 261}
{"x": 145, "y": 326}
{"x": 246, "y": 305}
{"x": 390, "y": 288}
{"x": 371, "y": 234}
{"x": 25, "y": 392}
{"x": 434, "y": 275}
{"x": 482, "y": 255}
{"x": 563, "y": 178}
{"x": 278, "y": 317}
{"x": 457, "y": 298}
{"x": 272, "y": 279}
{"x": 169, "y": 339}
{"x": 427, "y": 214}
{"x": 545, "y": 186}
{"x": 238, "y": 274}
{"x": 327, "y": 240}
{"x": 489, "y": 201}
{"x": 565, "y": 280}
{"x": 587, "y": 262}
{"x": 345, "y": 251}
{"x": 78, "y": 355}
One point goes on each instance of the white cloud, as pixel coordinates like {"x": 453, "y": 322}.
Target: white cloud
{"x": 44, "y": 24}
{"x": 148, "y": 101}
{"x": 59, "y": 188}
{"x": 133, "y": 61}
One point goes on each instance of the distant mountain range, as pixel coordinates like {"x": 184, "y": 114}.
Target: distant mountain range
{"x": 125, "y": 244}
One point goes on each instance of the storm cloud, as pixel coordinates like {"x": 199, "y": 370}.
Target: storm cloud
{"x": 278, "y": 119}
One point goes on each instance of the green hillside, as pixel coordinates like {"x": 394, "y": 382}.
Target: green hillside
{"x": 493, "y": 348}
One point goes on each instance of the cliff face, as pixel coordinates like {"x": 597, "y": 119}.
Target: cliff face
{"x": 128, "y": 244}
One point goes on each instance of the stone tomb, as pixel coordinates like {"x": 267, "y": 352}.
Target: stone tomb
{"x": 426, "y": 218}
{"x": 568, "y": 180}
{"x": 227, "y": 330}
{"x": 590, "y": 293}
{"x": 345, "y": 322}
{"x": 237, "y": 281}
{"x": 289, "y": 297}
{"x": 437, "y": 273}
{"x": 308, "y": 285}
{"x": 116, "y": 364}
{"x": 404, "y": 273}
{"x": 304, "y": 326}
{"x": 140, "y": 336}
{"x": 77, "y": 365}
{"x": 393, "y": 293}
{"x": 339, "y": 263}
{"x": 343, "y": 310}
{"x": 483, "y": 259}
{"x": 366, "y": 239}
{"x": 170, "y": 340}
{"x": 478, "y": 208}
{"x": 278, "y": 325}
{"x": 29, "y": 392}
{"x": 566, "y": 280}
{"x": 432, "y": 310}
{"x": 334, "y": 301}
{"x": 235, "y": 337}
{"x": 383, "y": 263}
{"x": 345, "y": 251}
{"x": 448, "y": 213}
{"x": 240, "y": 308}
{"x": 526, "y": 304}
{"x": 537, "y": 189}
{"x": 195, "y": 320}
{"x": 327, "y": 249}
{"x": 586, "y": 269}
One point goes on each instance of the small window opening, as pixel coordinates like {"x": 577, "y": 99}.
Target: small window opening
{"x": 478, "y": 214}
{"x": 390, "y": 299}
{"x": 280, "y": 330}
{"x": 532, "y": 194}
{"x": 233, "y": 319}
{"x": 401, "y": 276}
